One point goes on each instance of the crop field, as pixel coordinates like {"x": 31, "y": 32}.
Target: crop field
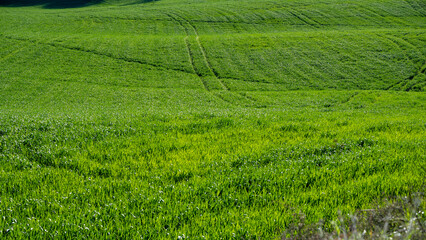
{"x": 208, "y": 119}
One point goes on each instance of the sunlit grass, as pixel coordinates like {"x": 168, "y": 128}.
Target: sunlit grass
{"x": 206, "y": 119}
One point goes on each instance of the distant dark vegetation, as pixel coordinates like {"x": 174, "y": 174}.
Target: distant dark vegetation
{"x": 54, "y": 4}
{"x": 50, "y": 3}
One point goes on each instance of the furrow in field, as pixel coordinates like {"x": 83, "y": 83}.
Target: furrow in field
{"x": 324, "y": 17}
{"x": 420, "y": 61}
{"x": 299, "y": 16}
{"x": 394, "y": 86}
{"x": 227, "y": 15}
{"x": 208, "y": 63}
{"x": 409, "y": 83}
{"x": 189, "y": 51}
{"x": 203, "y": 69}
{"x": 416, "y": 7}
{"x": 13, "y": 53}
{"x": 323, "y": 47}
{"x": 379, "y": 15}
{"x": 25, "y": 45}
{"x": 238, "y": 19}
{"x": 294, "y": 70}
{"x": 397, "y": 45}
{"x": 191, "y": 57}
{"x": 203, "y": 52}
{"x": 236, "y": 16}
{"x": 404, "y": 42}
{"x": 349, "y": 98}
{"x": 416, "y": 79}
{"x": 191, "y": 60}
{"x": 126, "y": 59}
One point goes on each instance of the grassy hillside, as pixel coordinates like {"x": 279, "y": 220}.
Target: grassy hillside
{"x": 206, "y": 119}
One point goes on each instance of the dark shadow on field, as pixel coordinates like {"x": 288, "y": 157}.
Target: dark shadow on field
{"x": 54, "y": 4}
{"x": 58, "y": 4}
{"x": 141, "y": 1}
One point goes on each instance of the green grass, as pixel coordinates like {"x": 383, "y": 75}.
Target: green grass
{"x": 206, "y": 119}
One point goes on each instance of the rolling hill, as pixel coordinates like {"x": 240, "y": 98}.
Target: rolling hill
{"x": 212, "y": 118}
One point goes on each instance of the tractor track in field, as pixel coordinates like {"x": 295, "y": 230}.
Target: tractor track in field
{"x": 412, "y": 5}
{"x": 302, "y": 19}
{"x": 397, "y": 45}
{"x": 381, "y": 16}
{"x": 212, "y": 70}
{"x": 191, "y": 60}
{"x": 27, "y": 41}
{"x": 350, "y": 98}
{"x": 365, "y": 9}
{"x": 159, "y": 67}
{"x": 129, "y": 60}
{"x": 190, "y": 53}
{"x": 191, "y": 31}
{"x": 226, "y": 14}
{"x": 410, "y": 87}
{"x": 203, "y": 51}
{"x": 200, "y": 75}
{"x": 14, "y": 52}
{"x": 232, "y": 22}
{"x": 405, "y": 83}
{"x": 395, "y": 84}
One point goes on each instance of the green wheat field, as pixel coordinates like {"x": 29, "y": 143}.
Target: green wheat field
{"x": 206, "y": 119}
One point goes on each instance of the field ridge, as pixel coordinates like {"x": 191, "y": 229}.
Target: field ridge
{"x": 176, "y": 119}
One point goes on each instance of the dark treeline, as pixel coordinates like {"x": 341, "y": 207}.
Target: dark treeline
{"x": 50, "y": 3}
{"x": 57, "y": 4}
